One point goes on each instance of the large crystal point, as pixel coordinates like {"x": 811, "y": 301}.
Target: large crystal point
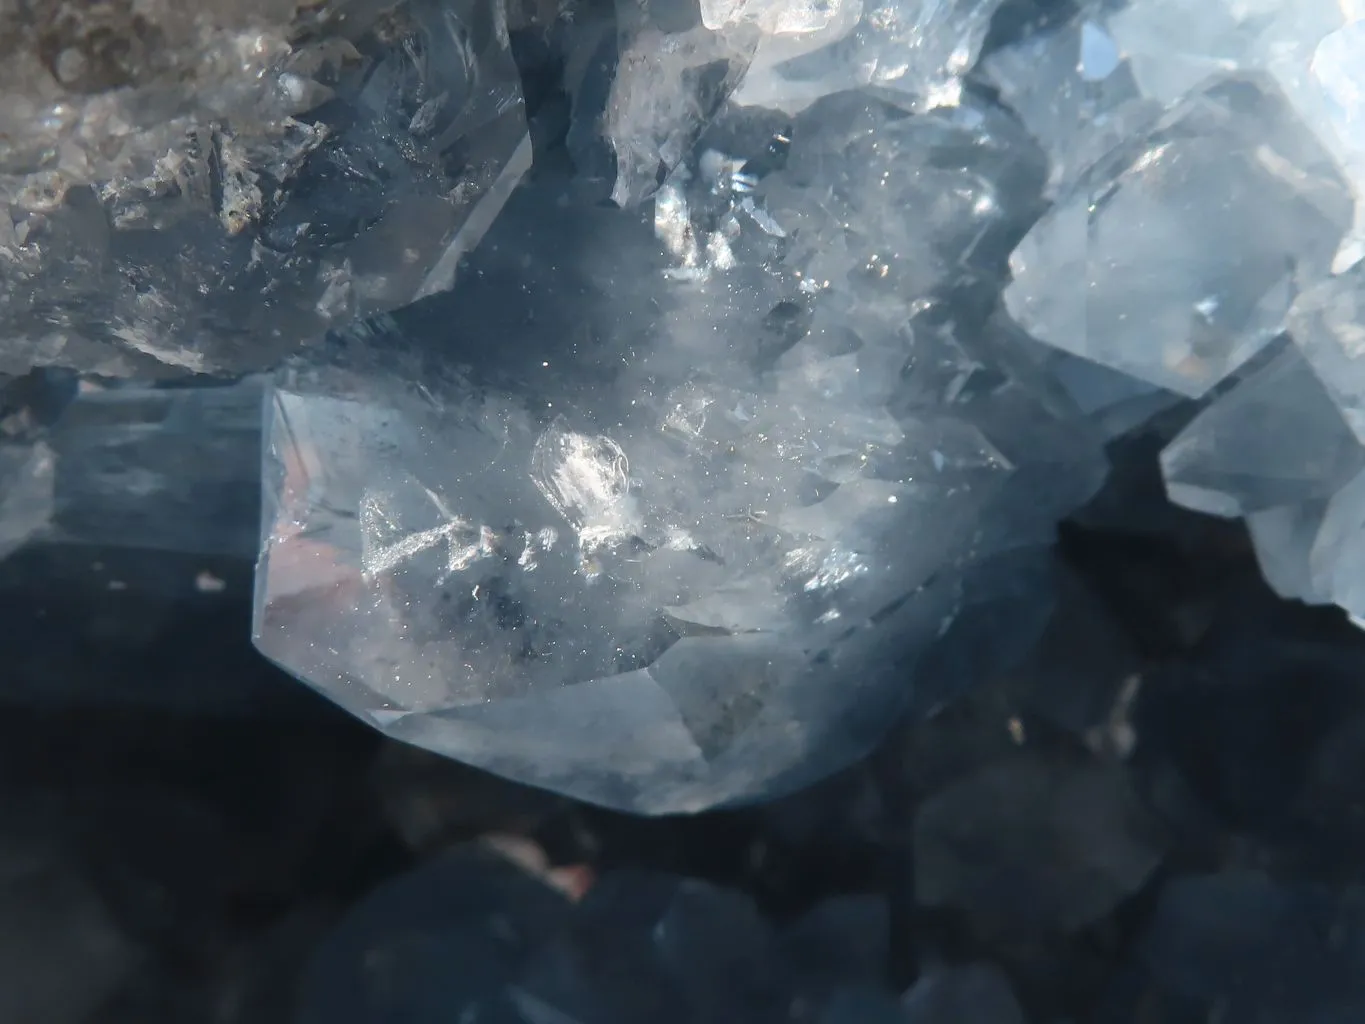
{"x": 202, "y": 187}
{"x": 1176, "y": 257}
{"x": 668, "y": 520}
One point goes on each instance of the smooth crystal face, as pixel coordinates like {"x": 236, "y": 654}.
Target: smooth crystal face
{"x": 1274, "y": 439}
{"x": 204, "y": 187}
{"x": 158, "y": 469}
{"x": 1283, "y": 539}
{"x": 1139, "y": 267}
{"x": 1313, "y": 49}
{"x": 1206, "y": 165}
{"x": 27, "y": 473}
{"x": 688, "y": 558}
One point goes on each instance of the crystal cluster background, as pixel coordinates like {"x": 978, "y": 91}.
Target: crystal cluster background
{"x": 671, "y": 406}
{"x": 649, "y": 468}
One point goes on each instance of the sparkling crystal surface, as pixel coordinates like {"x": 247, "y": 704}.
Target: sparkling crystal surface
{"x": 688, "y": 555}
{"x": 204, "y": 187}
{"x": 1073, "y": 92}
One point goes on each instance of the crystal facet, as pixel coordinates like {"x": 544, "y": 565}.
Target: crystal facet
{"x": 1122, "y": 269}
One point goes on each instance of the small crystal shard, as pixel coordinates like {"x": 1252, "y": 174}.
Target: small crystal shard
{"x": 1135, "y": 267}
{"x": 1283, "y": 539}
{"x": 1328, "y": 324}
{"x": 1314, "y": 50}
{"x": 1274, "y": 439}
{"x": 27, "y": 477}
{"x": 918, "y": 48}
{"x": 148, "y": 468}
{"x": 1337, "y": 559}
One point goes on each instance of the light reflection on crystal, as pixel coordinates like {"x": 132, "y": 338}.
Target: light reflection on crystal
{"x": 737, "y": 527}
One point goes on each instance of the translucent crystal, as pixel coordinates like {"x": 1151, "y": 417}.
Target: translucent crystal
{"x": 919, "y": 48}
{"x": 589, "y": 638}
{"x": 968, "y": 173}
{"x": 976, "y": 993}
{"x": 27, "y": 473}
{"x": 162, "y": 469}
{"x": 1073, "y": 93}
{"x": 1274, "y": 439}
{"x": 1027, "y": 846}
{"x": 1137, "y": 268}
{"x": 672, "y": 75}
{"x": 1283, "y": 540}
{"x": 685, "y": 554}
{"x": 203, "y": 187}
